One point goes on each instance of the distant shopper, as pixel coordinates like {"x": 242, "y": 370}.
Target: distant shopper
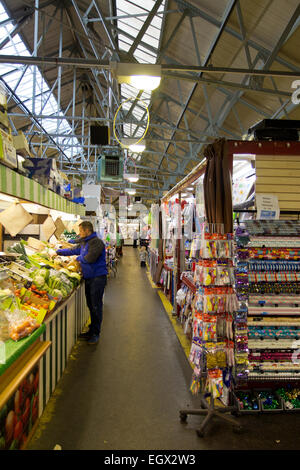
{"x": 135, "y": 239}
{"x": 91, "y": 256}
{"x": 143, "y": 255}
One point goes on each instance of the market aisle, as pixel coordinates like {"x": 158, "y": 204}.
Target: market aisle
{"x": 126, "y": 392}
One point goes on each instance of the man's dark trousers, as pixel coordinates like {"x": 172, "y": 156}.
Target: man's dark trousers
{"x": 94, "y": 290}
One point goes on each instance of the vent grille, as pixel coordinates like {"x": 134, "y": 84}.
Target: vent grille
{"x": 112, "y": 166}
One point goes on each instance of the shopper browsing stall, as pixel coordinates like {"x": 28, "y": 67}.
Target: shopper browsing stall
{"x": 135, "y": 238}
{"x": 143, "y": 255}
{"x": 91, "y": 255}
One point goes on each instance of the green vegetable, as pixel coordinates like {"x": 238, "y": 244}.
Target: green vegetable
{"x": 76, "y": 276}
{"x": 56, "y": 293}
{"x": 65, "y": 271}
{"x": 44, "y": 272}
{"x": 33, "y": 261}
{"x": 20, "y": 249}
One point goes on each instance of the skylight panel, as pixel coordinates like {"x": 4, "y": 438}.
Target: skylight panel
{"x": 44, "y": 104}
{"x": 129, "y": 8}
{"x": 130, "y": 27}
{"x": 143, "y": 55}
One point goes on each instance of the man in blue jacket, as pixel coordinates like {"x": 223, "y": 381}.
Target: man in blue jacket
{"x": 91, "y": 255}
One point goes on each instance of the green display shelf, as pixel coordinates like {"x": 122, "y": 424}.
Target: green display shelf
{"x": 19, "y": 186}
{"x": 14, "y": 349}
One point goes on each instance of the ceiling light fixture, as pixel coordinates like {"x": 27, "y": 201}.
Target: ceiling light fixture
{"x": 133, "y": 145}
{"x": 130, "y": 191}
{"x": 133, "y": 178}
{"x": 141, "y": 76}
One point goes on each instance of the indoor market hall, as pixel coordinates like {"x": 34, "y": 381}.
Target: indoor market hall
{"x": 125, "y": 393}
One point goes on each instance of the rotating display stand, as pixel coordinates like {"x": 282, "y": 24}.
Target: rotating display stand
{"x": 210, "y": 411}
{"x": 212, "y": 350}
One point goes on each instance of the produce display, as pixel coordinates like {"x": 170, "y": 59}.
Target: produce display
{"x": 20, "y": 413}
{"x": 22, "y": 327}
{"x": 32, "y": 285}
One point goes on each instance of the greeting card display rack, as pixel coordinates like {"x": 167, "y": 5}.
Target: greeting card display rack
{"x": 212, "y": 349}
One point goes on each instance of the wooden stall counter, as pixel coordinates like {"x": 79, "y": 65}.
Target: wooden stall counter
{"x": 19, "y": 389}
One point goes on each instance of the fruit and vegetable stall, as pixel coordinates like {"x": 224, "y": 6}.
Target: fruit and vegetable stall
{"x": 42, "y": 311}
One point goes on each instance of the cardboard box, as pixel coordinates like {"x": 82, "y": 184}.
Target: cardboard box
{"x": 31, "y": 229}
{"x": 36, "y": 244}
{"x": 39, "y": 218}
{"x": 76, "y": 181}
{"x": 8, "y": 155}
{"x": 7, "y": 136}
{"x": 21, "y": 144}
{"x": 3, "y": 98}
{"x": 4, "y": 120}
{"x": 40, "y": 165}
{"x": 20, "y": 161}
{"x": 51, "y": 184}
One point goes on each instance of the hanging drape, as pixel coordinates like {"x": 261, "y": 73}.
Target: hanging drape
{"x": 218, "y": 185}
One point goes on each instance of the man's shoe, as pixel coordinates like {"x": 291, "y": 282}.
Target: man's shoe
{"x": 93, "y": 339}
{"x": 86, "y": 335}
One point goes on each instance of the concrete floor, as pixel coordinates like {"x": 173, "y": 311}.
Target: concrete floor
{"x": 126, "y": 392}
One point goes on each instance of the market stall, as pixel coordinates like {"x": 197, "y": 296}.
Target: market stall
{"x": 258, "y": 330}
{"x": 42, "y": 299}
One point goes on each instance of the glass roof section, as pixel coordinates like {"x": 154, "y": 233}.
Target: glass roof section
{"x": 38, "y": 99}
{"x": 131, "y": 19}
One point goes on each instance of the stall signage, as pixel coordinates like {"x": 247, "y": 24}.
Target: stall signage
{"x": 267, "y": 207}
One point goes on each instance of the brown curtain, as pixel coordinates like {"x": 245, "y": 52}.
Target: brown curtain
{"x": 218, "y": 185}
{"x": 160, "y": 252}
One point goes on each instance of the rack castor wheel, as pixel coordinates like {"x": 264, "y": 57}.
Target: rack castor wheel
{"x": 200, "y": 433}
{"x": 183, "y": 417}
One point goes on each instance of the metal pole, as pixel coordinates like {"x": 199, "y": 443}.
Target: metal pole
{"x": 36, "y": 31}
{"x": 83, "y": 116}
{"x": 73, "y": 107}
{"x": 59, "y": 73}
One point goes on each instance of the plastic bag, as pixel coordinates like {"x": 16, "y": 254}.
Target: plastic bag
{"x": 215, "y": 382}
{"x": 20, "y": 324}
{"x": 4, "y": 327}
{"x": 180, "y": 297}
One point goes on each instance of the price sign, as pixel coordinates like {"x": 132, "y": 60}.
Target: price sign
{"x": 267, "y": 207}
